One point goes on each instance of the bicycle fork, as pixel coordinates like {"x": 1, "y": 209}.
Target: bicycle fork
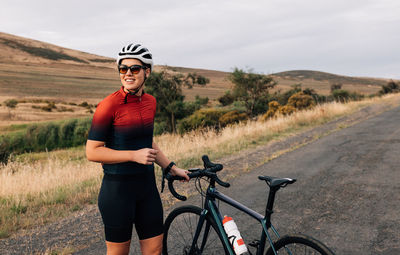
{"x": 197, "y": 234}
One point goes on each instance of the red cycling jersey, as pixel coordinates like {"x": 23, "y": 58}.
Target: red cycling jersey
{"x": 124, "y": 122}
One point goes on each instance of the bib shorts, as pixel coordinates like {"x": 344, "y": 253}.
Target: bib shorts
{"x": 125, "y": 200}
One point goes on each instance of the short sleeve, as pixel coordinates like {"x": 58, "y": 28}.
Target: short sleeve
{"x": 102, "y": 122}
{"x": 155, "y": 106}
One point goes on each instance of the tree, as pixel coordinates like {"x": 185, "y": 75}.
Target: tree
{"x": 251, "y": 88}
{"x": 390, "y": 87}
{"x": 11, "y": 104}
{"x": 226, "y": 99}
{"x": 167, "y": 89}
{"x": 336, "y": 86}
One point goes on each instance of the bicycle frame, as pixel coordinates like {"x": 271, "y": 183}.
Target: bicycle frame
{"x": 211, "y": 207}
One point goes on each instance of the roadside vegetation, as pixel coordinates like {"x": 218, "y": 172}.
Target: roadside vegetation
{"x": 44, "y": 174}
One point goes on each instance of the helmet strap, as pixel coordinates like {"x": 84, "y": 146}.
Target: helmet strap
{"x": 134, "y": 92}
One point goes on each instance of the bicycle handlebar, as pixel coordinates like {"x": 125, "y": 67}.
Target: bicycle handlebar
{"x": 210, "y": 170}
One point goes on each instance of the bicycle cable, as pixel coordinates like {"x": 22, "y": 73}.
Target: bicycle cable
{"x": 199, "y": 189}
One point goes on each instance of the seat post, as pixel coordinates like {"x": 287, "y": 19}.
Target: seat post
{"x": 270, "y": 204}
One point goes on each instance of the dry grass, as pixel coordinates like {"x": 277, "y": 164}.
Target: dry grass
{"x": 20, "y": 180}
{"x": 189, "y": 147}
{"x": 42, "y": 187}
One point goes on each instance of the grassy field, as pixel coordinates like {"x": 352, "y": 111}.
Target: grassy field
{"x": 37, "y": 188}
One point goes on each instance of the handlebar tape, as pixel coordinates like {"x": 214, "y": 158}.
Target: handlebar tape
{"x": 209, "y": 170}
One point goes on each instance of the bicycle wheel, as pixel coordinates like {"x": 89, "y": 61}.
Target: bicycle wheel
{"x": 299, "y": 244}
{"x": 180, "y": 228}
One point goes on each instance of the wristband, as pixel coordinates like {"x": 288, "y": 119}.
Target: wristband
{"x": 168, "y": 168}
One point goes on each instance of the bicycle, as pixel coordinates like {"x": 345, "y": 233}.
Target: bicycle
{"x": 186, "y": 233}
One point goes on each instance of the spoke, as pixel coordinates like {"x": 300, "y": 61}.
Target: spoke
{"x": 181, "y": 233}
{"x": 178, "y": 234}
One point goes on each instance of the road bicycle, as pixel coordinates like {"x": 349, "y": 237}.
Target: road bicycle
{"x": 193, "y": 230}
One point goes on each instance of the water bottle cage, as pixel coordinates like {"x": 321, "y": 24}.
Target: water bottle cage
{"x": 233, "y": 241}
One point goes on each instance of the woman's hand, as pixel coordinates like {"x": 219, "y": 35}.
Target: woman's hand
{"x": 176, "y": 171}
{"x": 145, "y": 156}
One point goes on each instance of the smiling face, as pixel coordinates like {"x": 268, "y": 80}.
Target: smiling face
{"x": 132, "y": 81}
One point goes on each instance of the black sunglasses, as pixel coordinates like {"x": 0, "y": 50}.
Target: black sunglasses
{"x": 135, "y": 69}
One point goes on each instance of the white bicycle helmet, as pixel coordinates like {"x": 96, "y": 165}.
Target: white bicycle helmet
{"x": 136, "y": 51}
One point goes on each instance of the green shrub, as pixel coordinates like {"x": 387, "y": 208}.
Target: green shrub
{"x": 341, "y": 95}
{"x": 301, "y": 101}
{"x": 232, "y": 117}
{"x": 286, "y": 110}
{"x": 49, "y": 107}
{"x": 201, "y": 100}
{"x": 49, "y": 136}
{"x": 67, "y": 131}
{"x": 226, "y": 99}
{"x": 284, "y": 98}
{"x": 273, "y": 108}
{"x": 390, "y": 87}
{"x": 52, "y": 136}
{"x": 317, "y": 98}
{"x": 160, "y": 127}
{"x": 84, "y": 104}
{"x": 11, "y": 103}
{"x": 207, "y": 117}
{"x": 4, "y": 149}
{"x": 356, "y": 96}
{"x": 336, "y": 86}
{"x": 81, "y": 132}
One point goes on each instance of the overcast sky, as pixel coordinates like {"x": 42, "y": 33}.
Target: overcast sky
{"x": 349, "y": 37}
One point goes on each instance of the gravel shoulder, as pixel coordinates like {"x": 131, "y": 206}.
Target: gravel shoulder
{"x": 82, "y": 232}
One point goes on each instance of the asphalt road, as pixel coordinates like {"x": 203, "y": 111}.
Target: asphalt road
{"x": 347, "y": 194}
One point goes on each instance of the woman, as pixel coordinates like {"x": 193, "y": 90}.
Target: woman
{"x": 121, "y": 138}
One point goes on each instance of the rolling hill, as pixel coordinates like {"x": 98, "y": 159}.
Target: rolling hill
{"x": 31, "y": 68}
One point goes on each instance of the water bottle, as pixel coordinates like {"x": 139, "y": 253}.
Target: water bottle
{"x": 233, "y": 234}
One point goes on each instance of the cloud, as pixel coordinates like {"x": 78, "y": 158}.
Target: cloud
{"x": 346, "y": 37}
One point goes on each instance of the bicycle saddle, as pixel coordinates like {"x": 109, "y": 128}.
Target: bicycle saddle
{"x": 275, "y": 181}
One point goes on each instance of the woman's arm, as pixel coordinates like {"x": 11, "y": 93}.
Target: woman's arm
{"x": 163, "y": 162}
{"x": 97, "y": 152}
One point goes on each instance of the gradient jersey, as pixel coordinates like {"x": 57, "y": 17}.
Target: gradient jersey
{"x": 124, "y": 122}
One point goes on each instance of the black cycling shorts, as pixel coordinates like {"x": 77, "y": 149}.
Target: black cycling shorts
{"x": 125, "y": 200}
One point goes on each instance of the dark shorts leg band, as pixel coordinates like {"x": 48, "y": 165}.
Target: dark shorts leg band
{"x": 118, "y": 235}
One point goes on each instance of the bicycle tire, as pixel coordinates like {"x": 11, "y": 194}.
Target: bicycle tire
{"x": 299, "y": 244}
{"x": 180, "y": 227}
